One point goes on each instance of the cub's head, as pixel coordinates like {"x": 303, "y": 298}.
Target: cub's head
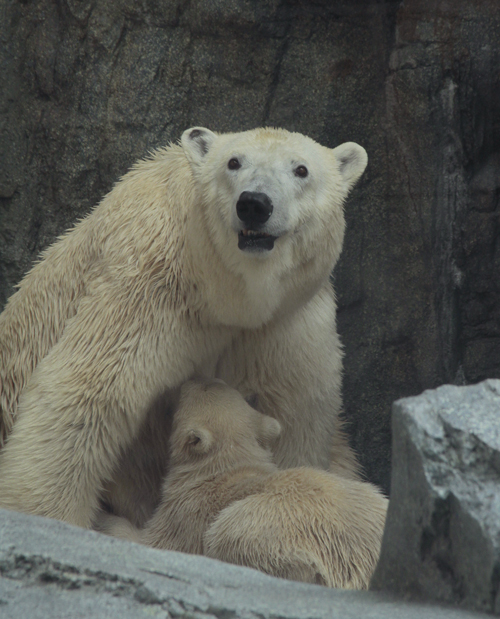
{"x": 215, "y": 427}
{"x": 266, "y": 187}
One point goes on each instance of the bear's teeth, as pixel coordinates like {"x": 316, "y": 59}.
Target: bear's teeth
{"x": 253, "y": 233}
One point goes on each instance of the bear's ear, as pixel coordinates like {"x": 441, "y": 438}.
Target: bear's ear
{"x": 196, "y": 143}
{"x": 199, "y": 440}
{"x": 269, "y": 430}
{"x": 352, "y": 160}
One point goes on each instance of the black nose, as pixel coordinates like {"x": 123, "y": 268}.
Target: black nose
{"x": 254, "y": 209}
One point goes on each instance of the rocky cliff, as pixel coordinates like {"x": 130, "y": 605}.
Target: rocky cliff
{"x": 88, "y": 86}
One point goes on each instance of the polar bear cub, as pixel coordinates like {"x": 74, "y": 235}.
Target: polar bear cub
{"x": 224, "y": 497}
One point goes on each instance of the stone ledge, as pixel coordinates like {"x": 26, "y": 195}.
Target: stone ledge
{"x": 49, "y": 569}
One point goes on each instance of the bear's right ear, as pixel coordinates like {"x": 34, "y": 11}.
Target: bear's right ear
{"x": 196, "y": 143}
{"x": 199, "y": 440}
{"x": 351, "y": 159}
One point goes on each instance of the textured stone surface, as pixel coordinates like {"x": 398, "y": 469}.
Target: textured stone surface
{"x": 88, "y": 86}
{"x": 442, "y": 536}
{"x": 51, "y": 570}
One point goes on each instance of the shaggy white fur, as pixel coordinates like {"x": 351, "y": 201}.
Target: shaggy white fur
{"x": 223, "y": 497}
{"x": 156, "y": 286}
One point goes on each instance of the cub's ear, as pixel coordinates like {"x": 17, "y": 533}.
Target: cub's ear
{"x": 352, "y": 160}
{"x": 269, "y": 431}
{"x": 196, "y": 143}
{"x": 199, "y": 440}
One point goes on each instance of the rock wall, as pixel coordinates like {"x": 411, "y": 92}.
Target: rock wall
{"x": 88, "y": 86}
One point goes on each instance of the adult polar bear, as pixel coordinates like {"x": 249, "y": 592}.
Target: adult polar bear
{"x": 209, "y": 257}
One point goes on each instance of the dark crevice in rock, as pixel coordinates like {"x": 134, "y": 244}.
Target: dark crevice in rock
{"x": 435, "y": 545}
{"x": 165, "y": 575}
{"x": 40, "y": 569}
{"x": 284, "y": 17}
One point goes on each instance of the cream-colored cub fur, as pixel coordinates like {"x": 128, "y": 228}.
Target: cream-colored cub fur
{"x": 224, "y": 497}
{"x": 209, "y": 257}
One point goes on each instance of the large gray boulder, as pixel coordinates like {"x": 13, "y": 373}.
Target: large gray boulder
{"x": 50, "y": 570}
{"x": 442, "y": 536}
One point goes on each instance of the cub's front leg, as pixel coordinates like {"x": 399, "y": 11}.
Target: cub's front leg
{"x": 294, "y": 365}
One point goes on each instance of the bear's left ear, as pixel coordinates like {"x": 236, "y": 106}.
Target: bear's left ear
{"x": 196, "y": 143}
{"x": 352, "y": 160}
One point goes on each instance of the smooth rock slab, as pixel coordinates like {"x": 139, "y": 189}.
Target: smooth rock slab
{"x": 442, "y": 536}
{"x": 52, "y": 570}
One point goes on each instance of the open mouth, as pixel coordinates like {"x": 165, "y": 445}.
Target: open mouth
{"x": 252, "y": 240}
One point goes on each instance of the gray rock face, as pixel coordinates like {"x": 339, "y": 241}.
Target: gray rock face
{"x": 50, "y": 570}
{"x": 442, "y": 536}
{"x": 87, "y": 87}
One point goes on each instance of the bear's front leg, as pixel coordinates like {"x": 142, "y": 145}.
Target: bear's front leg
{"x": 87, "y": 398}
{"x": 294, "y": 365}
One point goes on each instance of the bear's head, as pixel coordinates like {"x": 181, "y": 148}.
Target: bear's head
{"x": 273, "y": 188}
{"x": 215, "y": 429}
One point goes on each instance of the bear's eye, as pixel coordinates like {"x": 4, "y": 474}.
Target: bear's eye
{"x": 301, "y": 171}
{"x": 233, "y": 164}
